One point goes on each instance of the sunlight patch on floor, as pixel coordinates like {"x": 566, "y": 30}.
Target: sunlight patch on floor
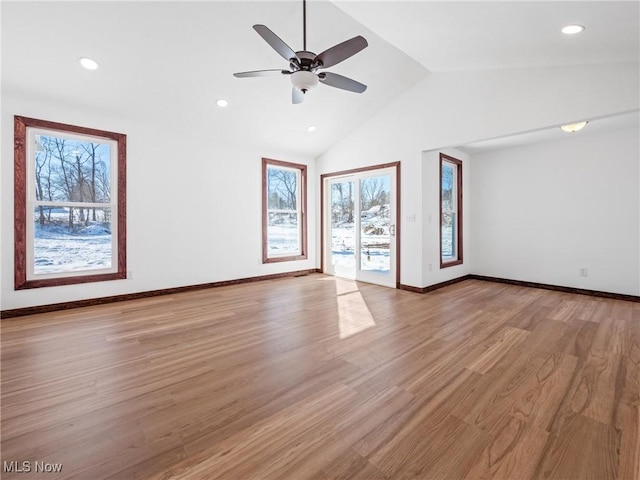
{"x": 354, "y": 315}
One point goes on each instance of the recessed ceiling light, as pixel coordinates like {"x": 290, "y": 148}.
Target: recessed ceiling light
{"x": 574, "y": 127}
{"x": 311, "y": 129}
{"x": 88, "y": 63}
{"x": 572, "y": 29}
{"x": 221, "y": 102}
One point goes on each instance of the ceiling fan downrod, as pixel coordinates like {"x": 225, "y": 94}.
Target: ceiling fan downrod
{"x": 304, "y": 25}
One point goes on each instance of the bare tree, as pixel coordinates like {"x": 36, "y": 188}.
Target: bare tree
{"x": 372, "y": 193}
{"x": 67, "y": 182}
{"x": 91, "y": 150}
{"x": 344, "y": 203}
{"x": 71, "y": 171}
{"x": 283, "y": 186}
{"x": 42, "y": 160}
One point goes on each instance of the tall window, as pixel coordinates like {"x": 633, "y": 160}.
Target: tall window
{"x": 284, "y": 200}
{"x": 450, "y": 211}
{"x": 70, "y": 221}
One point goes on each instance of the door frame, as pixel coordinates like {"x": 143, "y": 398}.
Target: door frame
{"x": 352, "y": 171}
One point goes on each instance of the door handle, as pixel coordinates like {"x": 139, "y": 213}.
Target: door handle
{"x": 392, "y": 230}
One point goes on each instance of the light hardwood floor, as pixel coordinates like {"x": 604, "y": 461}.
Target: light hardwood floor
{"x": 317, "y": 377}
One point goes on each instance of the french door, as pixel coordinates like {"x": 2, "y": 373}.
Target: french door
{"x": 360, "y": 226}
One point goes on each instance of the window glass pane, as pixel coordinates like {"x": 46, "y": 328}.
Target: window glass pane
{"x": 283, "y": 233}
{"x": 71, "y": 239}
{"x": 282, "y": 189}
{"x": 448, "y": 236}
{"x": 71, "y": 170}
{"x": 448, "y": 176}
{"x": 450, "y": 211}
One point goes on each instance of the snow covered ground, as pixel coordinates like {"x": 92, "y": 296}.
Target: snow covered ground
{"x": 374, "y": 241}
{"x": 283, "y": 239}
{"x": 57, "y": 251}
{"x": 447, "y": 242}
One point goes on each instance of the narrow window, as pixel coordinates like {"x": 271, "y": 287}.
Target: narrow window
{"x": 284, "y": 223}
{"x": 450, "y": 211}
{"x": 69, "y": 187}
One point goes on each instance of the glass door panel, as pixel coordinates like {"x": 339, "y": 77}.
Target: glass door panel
{"x": 375, "y": 224}
{"x": 343, "y": 232}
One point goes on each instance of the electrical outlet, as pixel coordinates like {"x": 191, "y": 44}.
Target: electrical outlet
{"x": 129, "y": 274}
{"x": 584, "y": 272}
{"x": 431, "y": 267}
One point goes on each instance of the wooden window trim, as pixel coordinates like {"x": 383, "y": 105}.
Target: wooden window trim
{"x": 266, "y": 162}
{"x": 458, "y": 163}
{"x": 20, "y": 204}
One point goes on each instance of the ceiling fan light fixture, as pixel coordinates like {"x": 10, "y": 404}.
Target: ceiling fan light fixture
{"x": 304, "y": 80}
{"x": 574, "y": 127}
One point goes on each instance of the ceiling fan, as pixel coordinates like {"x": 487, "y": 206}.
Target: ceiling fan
{"x": 304, "y": 66}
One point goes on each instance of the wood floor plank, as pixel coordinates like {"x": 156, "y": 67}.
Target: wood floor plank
{"x": 542, "y": 396}
{"x": 628, "y": 409}
{"x": 585, "y": 449}
{"x": 320, "y": 378}
{"x": 628, "y": 422}
{"x": 514, "y": 451}
{"x": 510, "y": 338}
{"x": 430, "y": 418}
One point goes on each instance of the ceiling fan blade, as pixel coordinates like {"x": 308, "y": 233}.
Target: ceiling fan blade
{"x": 296, "y": 96}
{"x": 276, "y": 43}
{"x": 342, "y": 51}
{"x": 262, "y": 73}
{"x": 339, "y": 81}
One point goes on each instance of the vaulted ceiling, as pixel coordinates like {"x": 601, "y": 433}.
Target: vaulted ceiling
{"x": 173, "y": 60}
{"x": 471, "y": 35}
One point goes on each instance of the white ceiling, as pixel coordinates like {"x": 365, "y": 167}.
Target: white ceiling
{"x": 470, "y": 35}
{"x": 172, "y": 60}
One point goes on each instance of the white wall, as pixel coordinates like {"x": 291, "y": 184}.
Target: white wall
{"x": 544, "y": 211}
{"x": 451, "y": 109}
{"x": 193, "y": 206}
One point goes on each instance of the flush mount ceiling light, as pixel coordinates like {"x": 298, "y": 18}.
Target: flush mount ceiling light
{"x": 311, "y": 129}
{"x": 572, "y": 29}
{"x": 221, "y": 102}
{"x": 88, "y": 63}
{"x": 574, "y": 127}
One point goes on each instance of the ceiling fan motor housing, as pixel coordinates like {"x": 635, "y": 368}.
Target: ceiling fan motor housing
{"x": 305, "y": 61}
